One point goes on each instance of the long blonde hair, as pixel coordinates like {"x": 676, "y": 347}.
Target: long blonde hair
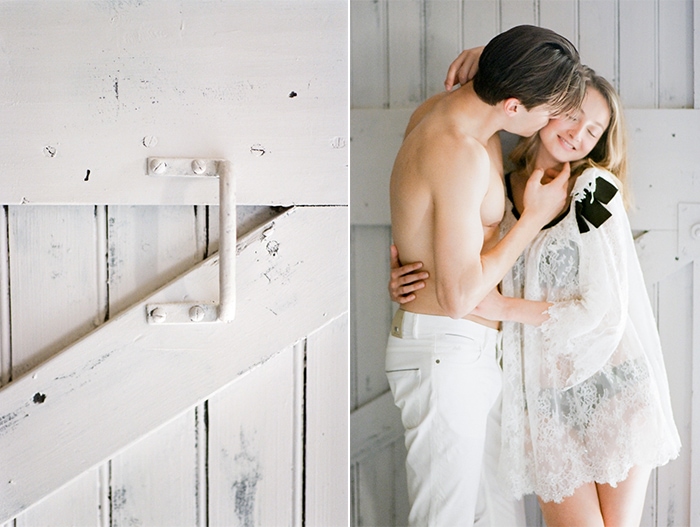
{"x": 609, "y": 153}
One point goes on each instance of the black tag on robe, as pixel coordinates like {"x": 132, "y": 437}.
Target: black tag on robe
{"x": 593, "y": 210}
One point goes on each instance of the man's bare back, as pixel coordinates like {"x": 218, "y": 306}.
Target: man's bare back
{"x": 412, "y": 193}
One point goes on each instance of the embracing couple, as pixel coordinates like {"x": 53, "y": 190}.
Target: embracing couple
{"x": 553, "y": 384}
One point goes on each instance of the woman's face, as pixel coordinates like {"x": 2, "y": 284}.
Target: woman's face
{"x": 572, "y": 136}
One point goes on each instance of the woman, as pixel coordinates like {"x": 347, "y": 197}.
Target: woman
{"x": 586, "y": 412}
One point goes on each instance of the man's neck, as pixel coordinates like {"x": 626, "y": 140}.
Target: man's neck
{"x": 476, "y": 118}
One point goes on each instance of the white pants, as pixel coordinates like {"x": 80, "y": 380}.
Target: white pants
{"x": 445, "y": 378}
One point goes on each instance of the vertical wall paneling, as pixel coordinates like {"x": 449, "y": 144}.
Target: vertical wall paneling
{"x": 153, "y": 482}
{"x": 675, "y": 317}
{"x": 516, "y": 12}
{"x": 54, "y": 299}
{"x": 675, "y": 55}
{"x": 696, "y": 53}
{"x": 695, "y": 402}
{"x": 598, "y": 37}
{"x": 5, "y": 336}
{"x": 74, "y": 504}
{"x": 371, "y": 327}
{"x": 44, "y": 294}
{"x": 369, "y": 54}
{"x": 561, "y": 16}
{"x": 443, "y": 40}
{"x": 326, "y": 467}
{"x": 639, "y": 68}
{"x": 481, "y": 21}
{"x": 252, "y": 450}
{"x": 406, "y": 52}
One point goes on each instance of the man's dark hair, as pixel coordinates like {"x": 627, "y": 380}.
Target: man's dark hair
{"x": 533, "y": 64}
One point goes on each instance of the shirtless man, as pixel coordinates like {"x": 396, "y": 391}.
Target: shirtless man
{"x": 447, "y": 200}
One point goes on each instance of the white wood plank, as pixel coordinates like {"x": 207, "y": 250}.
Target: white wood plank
{"x": 369, "y": 83}
{"x": 675, "y": 321}
{"x": 95, "y": 389}
{"x": 148, "y": 247}
{"x": 660, "y": 182}
{"x": 375, "y": 425}
{"x": 5, "y": 325}
{"x": 371, "y": 310}
{"x": 376, "y": 489}
{"x": 327, "y": 426}
{"x": 443, "y": 41}
{"x": 154, "y": 481}
{"x": 561, "y": 16}
{"x": 639, "y": 69}
{"x": 696, "y": 53}
{"x": 481, "y": 21}
{"x": 54, "y": 300}
{"x": 517, "y": 12}
{"x": 405, "y": 53}
{"x": 254, "y": 450}
{"x": 675, "y": 54}
{"x": 74, "y": 504}
{"x": 376, "y": 138}
{"x": 695, "y": 403}
{"x": 53, "y": 266}
{"x": 264, "y": 84}
{"x": 598, "y": 37}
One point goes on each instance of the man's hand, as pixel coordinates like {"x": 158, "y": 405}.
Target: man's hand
{"x": 545, "y": 201}
{"x": 405, "y": 279}
{"x": 463, "y": 68}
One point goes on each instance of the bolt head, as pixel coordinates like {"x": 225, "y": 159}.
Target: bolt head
{"x": 196, "y": 313}
{"x": 157, "y": 315}
{"x": 199, "y": 166}
{"x": 158, "y": 166}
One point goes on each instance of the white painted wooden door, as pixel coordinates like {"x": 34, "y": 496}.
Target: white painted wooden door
{"x": 108, "y": 421}
{"x": 400, "y": 51}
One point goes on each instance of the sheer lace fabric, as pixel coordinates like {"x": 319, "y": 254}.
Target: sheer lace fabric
{"x": 585, "y": 395}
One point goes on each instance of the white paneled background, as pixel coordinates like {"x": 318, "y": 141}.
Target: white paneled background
{"x": 648, "y": 49}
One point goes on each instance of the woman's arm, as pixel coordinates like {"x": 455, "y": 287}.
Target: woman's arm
{"x": 498, "y": 307}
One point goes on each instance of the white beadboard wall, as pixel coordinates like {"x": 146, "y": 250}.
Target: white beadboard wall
{"x": 400, "y": 51}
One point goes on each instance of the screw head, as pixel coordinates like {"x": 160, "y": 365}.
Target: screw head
{"x": 199, "y": 166}
{"x": 158, "y": 166}
{"x": 695, "y": 231}
{"x": 157, "y": 315}
{"x": 196, "y": 313}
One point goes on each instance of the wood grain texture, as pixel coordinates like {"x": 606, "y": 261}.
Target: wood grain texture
{"x": 95, "y": 88}
{"x": 327, "y": 426}
{"x": 93, "y": 393}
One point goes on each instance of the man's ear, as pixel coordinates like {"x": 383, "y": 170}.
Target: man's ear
{"x": 512, "y": 106}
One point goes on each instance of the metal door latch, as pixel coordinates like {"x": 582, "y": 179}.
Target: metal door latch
{"x": 205, "y": 311}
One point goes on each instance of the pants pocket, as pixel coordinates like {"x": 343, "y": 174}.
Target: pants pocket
{"x": 405, "y": 386}
{"x": 456, "y": 349}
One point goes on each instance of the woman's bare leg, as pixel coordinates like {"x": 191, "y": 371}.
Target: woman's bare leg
{"x": 622, "y": 506}
{"x": 580, "y": 510}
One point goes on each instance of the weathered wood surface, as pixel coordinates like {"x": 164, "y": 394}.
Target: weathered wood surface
{"x": 119, "y": 382}
{"x": 91, "y": 89}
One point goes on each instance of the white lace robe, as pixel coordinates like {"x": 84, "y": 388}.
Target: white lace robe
{"x": 585, "y": 395}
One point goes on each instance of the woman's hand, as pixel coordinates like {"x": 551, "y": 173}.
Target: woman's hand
{"x": 463, "y": 68}
{"x": 405, "y": 279}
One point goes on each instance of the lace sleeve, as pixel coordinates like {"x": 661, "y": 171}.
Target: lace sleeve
{"x": 585, "y": 328}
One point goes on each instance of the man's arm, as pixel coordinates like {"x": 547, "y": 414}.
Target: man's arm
{"x": 463, "y": 274}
